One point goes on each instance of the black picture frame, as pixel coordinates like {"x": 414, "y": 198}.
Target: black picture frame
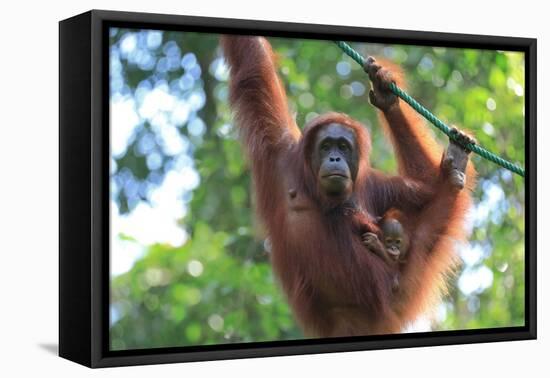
{"x": 84, "y": 189}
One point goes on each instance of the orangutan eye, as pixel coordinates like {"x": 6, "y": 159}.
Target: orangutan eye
{"x": 343, "y": 146}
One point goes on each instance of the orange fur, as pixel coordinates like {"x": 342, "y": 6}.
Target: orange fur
{"x": 334, "y": 285}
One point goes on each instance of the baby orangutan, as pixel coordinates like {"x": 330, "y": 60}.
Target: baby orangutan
{"x": 396, "y": 241}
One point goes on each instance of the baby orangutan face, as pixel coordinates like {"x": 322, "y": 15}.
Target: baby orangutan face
{"x": 396, "y": 239}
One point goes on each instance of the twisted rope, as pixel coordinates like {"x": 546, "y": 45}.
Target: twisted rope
{"x": 450, "y": 132}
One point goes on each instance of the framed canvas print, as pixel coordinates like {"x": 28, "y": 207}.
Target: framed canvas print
{"x": 234, "y": 188}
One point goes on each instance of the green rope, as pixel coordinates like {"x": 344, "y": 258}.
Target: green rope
{"x": 433, "y": 119}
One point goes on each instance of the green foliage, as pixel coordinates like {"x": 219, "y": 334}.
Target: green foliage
{"x": 198, "y": 294}
{"x": 217, "y": 286}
